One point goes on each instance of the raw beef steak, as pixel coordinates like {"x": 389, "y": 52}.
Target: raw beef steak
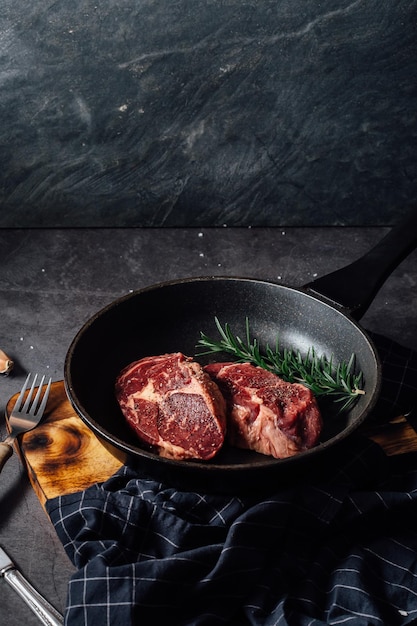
{"x": 172, "y": 404}
{"x": 265, "y": 413}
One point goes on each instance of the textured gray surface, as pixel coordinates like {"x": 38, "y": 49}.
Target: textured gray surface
{"x": 155, "y": 113}
{"x": 52, "y": 281}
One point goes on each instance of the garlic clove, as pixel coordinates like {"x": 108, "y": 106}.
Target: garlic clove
{"x": 6, "y": 364}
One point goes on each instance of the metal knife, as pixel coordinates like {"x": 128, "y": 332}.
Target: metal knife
{"x": 47, "y": 614}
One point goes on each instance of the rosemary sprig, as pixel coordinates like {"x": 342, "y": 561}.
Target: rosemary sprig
{"x": 318, "y": 373}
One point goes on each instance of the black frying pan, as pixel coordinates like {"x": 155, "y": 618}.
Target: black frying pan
{"x": 168, "y": 317}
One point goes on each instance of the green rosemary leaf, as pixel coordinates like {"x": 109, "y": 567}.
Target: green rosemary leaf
{"x": 318, "y": 373}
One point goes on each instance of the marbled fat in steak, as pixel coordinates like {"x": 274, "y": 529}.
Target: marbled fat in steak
{"x": 172, "y": 404}
{"x": 265, "y": 413}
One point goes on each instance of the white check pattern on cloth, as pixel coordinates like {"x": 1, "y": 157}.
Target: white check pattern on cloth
{"x": 339, "y": 550}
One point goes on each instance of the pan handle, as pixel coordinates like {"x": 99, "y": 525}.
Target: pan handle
{"x": 354, "y": 286}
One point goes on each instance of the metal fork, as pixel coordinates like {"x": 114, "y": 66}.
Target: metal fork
{"x": 26, "y": 417}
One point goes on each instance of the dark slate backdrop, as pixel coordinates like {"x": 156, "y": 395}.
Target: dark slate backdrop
{"x": 204, "y": 113}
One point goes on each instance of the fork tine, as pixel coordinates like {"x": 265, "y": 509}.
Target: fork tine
{"x": 21, "y": 394}
{"x": 45, "y": 396}
{"x": 29, "y": 396}
{"x": 36, "y": 398}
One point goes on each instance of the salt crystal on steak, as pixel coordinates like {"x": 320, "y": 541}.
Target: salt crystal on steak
{"x": 173, "y": 405}
{"x": 265, "y": 413}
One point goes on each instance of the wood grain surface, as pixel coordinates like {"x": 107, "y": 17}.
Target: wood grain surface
{"x": 62, "y": 455}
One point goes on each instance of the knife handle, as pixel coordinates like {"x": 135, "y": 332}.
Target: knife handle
{"x": 47, "y": 614}
{"x": 6, "y": 452}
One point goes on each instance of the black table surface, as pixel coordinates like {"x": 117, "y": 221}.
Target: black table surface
{"x": 53, "y": 280}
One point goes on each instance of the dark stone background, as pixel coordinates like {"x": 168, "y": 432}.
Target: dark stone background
{"x": 204, "y": 113}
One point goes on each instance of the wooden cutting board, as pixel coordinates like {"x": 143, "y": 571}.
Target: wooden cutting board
{"x": 62, "y": 455}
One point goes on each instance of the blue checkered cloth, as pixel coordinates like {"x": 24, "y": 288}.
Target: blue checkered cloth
{"x": 340, "y": 550}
